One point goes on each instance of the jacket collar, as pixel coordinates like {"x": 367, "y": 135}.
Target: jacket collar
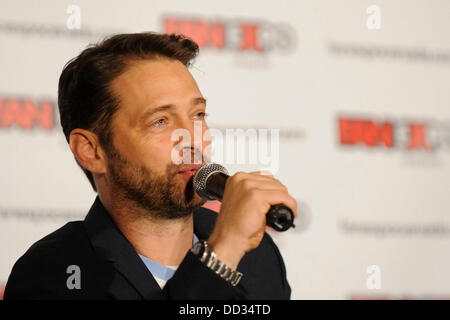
{"x": 111, "y": 245}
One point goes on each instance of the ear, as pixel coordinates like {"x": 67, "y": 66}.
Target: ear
{"x": 87, "y": 150}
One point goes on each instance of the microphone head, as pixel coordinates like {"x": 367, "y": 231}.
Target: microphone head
{"x": 201, "y": 178}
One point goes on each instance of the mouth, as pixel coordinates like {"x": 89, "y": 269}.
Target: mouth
{"x": 190, "y": 170}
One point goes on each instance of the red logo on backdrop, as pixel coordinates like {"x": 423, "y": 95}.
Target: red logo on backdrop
{"x": 233, "y": 34}
{"x": 370, "y": 133}
{"x": 393, "y": 134}
{"x": 27, "y": 113}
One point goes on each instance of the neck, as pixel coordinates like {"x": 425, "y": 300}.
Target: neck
{"x": 162, "y": 240}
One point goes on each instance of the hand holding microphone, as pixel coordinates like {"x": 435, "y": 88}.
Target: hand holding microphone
{"x": 249, "y": 201}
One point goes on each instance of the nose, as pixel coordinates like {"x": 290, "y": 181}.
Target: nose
{"x": 192, "y": 141}
{"x": 192, "y": 155}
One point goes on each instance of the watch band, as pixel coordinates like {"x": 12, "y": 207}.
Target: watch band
{"x": 211, "y": 261}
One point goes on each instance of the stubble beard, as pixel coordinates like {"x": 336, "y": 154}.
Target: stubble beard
{"x": 162, "y": 196}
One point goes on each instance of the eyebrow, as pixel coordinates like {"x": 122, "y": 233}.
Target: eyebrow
{"x": 148, "y": 113}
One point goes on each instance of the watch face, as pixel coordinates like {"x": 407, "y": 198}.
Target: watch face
{"x": 198, "y": 248}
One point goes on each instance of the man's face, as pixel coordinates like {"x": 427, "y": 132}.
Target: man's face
{"x": 156, "y": 97}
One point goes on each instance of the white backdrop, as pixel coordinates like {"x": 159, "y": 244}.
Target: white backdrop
{"x": 297, "y": 66}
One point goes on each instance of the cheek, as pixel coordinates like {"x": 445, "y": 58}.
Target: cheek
{"x": 162, "y": 149}
{"x": 165, "y": 142}
{"x": 155, "y": 153}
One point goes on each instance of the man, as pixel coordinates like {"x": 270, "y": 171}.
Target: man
{"x": 120, "y": 102}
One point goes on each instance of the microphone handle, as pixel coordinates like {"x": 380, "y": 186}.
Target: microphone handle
{"x": 279, "y": 217}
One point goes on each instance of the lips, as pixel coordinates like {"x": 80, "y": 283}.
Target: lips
{"x": 190, "y": 168}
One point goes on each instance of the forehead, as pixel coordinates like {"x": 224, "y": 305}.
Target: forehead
{"x": 150, "y": 83}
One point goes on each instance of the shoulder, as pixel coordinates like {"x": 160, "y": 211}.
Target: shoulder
{"x": 42, "y": 271}
{"x": 68, "y": 239}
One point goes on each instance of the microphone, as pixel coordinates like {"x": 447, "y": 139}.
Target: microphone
{"x": 209, "y": 183}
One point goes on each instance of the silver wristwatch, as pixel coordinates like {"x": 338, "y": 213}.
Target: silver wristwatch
{"x": 208, "y": 258}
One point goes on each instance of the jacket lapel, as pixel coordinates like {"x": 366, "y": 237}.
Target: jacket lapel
{"x": 110, "y": 244}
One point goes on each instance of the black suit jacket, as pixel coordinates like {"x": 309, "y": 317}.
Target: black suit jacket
{"x": 111, "y": 268}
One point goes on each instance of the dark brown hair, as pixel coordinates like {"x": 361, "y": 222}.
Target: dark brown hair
{"x": 85, "y": 99}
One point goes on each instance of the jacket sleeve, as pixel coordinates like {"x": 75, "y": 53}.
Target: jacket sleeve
{"x": 194, "y": 281}
{"x": 286, "y": 288}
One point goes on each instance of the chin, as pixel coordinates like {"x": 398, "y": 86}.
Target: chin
{"x": 186, "y": 190}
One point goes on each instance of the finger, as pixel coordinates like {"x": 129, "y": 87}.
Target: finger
{"x": 260, "y": 176}
{"x": 252, "y": 183}
{"x": 274, "y": 197}
{"x": 263, "y": 173}
{"x": 256, "y": 176}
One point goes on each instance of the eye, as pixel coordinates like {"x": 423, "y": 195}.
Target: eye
{"x": 159, "y": 122}
{"x": 201, "y": 115}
